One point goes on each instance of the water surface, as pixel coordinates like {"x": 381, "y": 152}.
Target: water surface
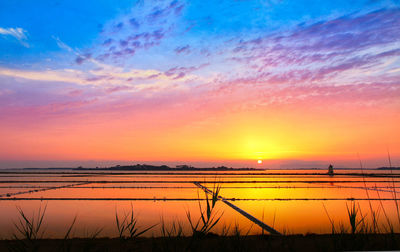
{"x": 292, "y": 201}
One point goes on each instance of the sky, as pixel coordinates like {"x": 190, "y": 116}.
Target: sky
{"x": 293, "y": 83}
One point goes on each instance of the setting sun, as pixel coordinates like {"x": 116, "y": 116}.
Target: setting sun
{"x": 259, "y": 161}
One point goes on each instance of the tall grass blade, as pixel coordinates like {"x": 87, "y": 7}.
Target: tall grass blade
{"x": 66, "y": 236}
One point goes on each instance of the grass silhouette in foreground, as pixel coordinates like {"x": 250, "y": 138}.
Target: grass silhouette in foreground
{"x": 127, "y": 226}
{"x": 208, "y": 217}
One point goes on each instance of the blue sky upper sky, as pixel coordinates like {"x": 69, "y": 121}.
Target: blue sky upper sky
{"x": 84, "y": 24}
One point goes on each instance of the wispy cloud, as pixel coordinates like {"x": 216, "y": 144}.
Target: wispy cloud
{"x": 136, "y": 79}
{"x": 18, "y": 33}
{"x": 65, "y": 75}
{"x": 146, "y": 27}
{"x": 182, "y": 49}
{"x": 344, "y": 51}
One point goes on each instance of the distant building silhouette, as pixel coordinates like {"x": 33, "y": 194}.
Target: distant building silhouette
{"x": 330, "y": 169}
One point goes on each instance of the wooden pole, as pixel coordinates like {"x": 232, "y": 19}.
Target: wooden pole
{"x": 242, "y": 212}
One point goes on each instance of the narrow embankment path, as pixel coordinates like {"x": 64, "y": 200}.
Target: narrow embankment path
{"x": 42, "y": 189}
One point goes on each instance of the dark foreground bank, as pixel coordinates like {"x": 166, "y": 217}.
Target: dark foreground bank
{"x": 310, "y": 242}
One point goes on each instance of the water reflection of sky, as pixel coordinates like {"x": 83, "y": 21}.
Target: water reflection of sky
{"x": 295, "y": 202}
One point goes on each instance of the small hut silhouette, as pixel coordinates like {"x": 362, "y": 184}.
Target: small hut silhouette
{"x": 330, "y": 169}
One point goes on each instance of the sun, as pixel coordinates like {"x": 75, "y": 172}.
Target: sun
{"x": 259, "y": 161}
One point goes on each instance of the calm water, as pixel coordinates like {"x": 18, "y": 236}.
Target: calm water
{"x": 290, "y": 200}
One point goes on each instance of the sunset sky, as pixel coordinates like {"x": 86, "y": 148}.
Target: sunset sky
{"x": 293, "y": 83}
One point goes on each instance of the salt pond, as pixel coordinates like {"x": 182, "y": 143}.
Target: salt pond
{"x": 292, "y": 201}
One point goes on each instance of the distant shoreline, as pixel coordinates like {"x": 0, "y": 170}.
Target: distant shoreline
{"x": 145, "y": 167}
{"x": 388, "y": 168}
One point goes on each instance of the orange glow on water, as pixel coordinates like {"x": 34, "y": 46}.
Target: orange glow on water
{"x": 292, "y": 201}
